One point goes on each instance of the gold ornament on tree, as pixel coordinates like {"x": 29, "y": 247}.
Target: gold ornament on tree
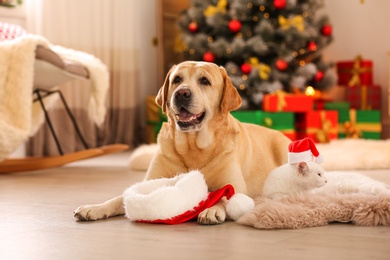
{"x": 295, "y": 21}
{"x": 264, "y": 70}
{"x": 220, "y": 8}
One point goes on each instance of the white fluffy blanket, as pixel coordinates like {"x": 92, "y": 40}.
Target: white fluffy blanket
{"x": 343, "y": 154}
{"x": 355, "y": 154}
{"x": 16, "y": 85}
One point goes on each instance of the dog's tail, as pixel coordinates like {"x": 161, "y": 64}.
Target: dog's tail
{"x": 141, "y": 157}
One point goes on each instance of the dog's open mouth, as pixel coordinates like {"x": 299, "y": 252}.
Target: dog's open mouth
{"x": 185, "y": 118}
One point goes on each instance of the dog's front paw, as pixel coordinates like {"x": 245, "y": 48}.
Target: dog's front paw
{"x": 90, "y": 212}
{"x": 212, "y": 216}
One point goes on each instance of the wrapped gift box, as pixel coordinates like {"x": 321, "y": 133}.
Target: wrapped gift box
{"x": 155, "y": 119}
{"x": 281, "y": 121}
{"x": 319, "y": 104}
{"x": 320, "y": 125}
{"x": 248, "y": 116}
{"x": 364, "y": 97}
{"x": 342, "y": 109}
{"x": 343, "y": 114}
{"x": 361, "y": 124}
{"x": 337, "y": 106}
{"x": 330, "y": 105}
{"x": 357, "y": 72}
{"x": 281, "y": 101}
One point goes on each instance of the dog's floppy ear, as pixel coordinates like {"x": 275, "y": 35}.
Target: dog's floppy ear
{"x": 162, "y": 96}
{"x": 231, "y": 100}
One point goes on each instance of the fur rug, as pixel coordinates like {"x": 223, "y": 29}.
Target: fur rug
{"x": 301, "y": 211}
{"x": 342, "y": 154}
{"x": 16, "y": 85}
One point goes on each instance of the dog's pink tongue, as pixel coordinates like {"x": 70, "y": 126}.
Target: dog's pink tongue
{"x": 184, "y": 114}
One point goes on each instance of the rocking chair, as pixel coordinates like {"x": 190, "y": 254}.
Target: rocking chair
{"x": 51, "y": 70}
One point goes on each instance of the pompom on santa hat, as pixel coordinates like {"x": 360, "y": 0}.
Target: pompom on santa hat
{"x": 304, "y": 150}
{"x": 179, "y": 199}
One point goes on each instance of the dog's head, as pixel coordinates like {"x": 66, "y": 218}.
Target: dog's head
{"x": 195, "y": 92}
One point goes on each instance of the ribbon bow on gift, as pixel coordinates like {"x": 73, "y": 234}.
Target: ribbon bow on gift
{"x": 281, "y": 99}
{"x": 296, "y": 21}
{"x": 268, "y": 122}
{"x": 280, "y": 102}
{"x": 354, "y": 129}
{"x": 211, "y": 10}
{"x": 264, "y": 70}
{"x": 356, "y": 71}
{"x": 323, "y": 134}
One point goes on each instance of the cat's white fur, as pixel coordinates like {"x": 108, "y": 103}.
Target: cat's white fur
{"x": 291, "y": 178}
{"x": 310, "y": 177}
{"x": 350, "y": 182}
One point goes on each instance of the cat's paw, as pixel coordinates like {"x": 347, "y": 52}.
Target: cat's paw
{"x": 212, "y": 216}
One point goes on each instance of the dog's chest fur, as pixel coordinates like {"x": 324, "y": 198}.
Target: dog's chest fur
{"x": 191, "y": 149}
{"x": 194, "y": 157}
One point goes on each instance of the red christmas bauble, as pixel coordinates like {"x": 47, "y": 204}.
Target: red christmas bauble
{"x": 281, "y": 64}
{"x": 319, "y": 76}
{"x": 235, "y": 26}
{"x": 280, "y": 4}
{"x": 246, "y": 68}
{"x": 209, "y": 56}
{"x": 193, "y": 27}
{"x": 312, "y": 46}
{"x": 326, "y": 30}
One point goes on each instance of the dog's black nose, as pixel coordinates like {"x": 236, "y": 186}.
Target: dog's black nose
{"x": 183, "y": 95}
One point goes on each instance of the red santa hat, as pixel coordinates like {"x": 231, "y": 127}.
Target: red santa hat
{"x": 304, "y": 150}
{"x": 179, "y": 199}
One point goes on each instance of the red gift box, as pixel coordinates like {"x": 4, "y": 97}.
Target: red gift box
{"x": 281, "y": 101}
{"x": 364, "y": 97}
{"x": 290, "y": 134}
{"x": 319, "y": 104}
{"x": 357, "y": 72}
{"x": 320, "y": 125}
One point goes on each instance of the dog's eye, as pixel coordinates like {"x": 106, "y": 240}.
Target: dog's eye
{"x": 177, "y": 80}
{"x": 319, "y": 174}
{"x": 204, "y": 81}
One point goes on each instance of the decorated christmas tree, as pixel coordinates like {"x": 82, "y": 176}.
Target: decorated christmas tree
{"x": 265, "y": 45}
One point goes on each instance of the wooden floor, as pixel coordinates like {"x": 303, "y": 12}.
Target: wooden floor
{"x": 36, "y": 222}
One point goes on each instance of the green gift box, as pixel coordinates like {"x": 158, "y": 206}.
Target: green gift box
{"x": 248, "y": 116}
{"x": 337, "y": 106}
{"x": 343, "y": 110}
{"x": 363, "y": 123}
{"x": 281, "y": 121}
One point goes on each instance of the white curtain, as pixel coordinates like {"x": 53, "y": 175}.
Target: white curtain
{"x": 113, "y": 32}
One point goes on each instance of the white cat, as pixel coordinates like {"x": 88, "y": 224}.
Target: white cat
{"x": 292, "y": 178}
{"x": 310, "y": 177}
{"x": 350, "y": 182}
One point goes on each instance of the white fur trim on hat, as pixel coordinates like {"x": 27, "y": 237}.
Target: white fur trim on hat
{"x": 305, "y": 156}
{"x": 238, "y": 205}
{"x": 319, "y": 159}
{"x": 165, "y": 198}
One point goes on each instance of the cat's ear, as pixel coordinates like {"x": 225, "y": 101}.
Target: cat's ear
{"x": 303, "y": 168}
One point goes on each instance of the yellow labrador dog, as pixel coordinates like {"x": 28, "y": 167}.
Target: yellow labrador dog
{"x": 202, "y": 134}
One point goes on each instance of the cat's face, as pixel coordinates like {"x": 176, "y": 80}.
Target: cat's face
{"x": 313, "y": 175}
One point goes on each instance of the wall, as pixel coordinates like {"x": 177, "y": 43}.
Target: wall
{"x": 361, "y": 27}
{"x": 16, "y": 15}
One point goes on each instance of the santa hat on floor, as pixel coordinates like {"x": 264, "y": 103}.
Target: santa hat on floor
{"x": 179, "y": 199}
{"x": 304, "y": 150}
